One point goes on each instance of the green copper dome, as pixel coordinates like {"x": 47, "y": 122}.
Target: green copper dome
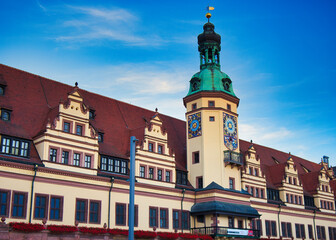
{"x": 210, "y": 78}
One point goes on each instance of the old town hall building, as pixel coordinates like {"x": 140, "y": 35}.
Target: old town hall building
{"x": 64, "y": 157}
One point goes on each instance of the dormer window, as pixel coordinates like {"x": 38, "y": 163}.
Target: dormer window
{"x": 160, "y": 149}
{"x": 100, "y": 137}
{"x": 5, "y": 114}
{"x": 66, "y": 127}
{"x": 150, "y": 147}
{"x": 92, "y": 114}
{"x": 15, "y": 147}
{"x": 79, "y": 130}
{"x": 2, "y": 90}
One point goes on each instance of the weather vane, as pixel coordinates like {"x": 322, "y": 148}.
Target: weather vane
{"x": 208, "y": 14}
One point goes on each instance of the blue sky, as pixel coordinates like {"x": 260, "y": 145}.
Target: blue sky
{"x": 280, "y": 56}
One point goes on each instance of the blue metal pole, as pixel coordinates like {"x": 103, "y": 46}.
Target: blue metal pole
{"x": 131, "y": 193}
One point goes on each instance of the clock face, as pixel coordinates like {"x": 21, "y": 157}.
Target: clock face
{"x": 230, "y": 131}
{"x": 194, "y": 125}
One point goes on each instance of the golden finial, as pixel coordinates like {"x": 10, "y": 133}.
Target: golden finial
{"x": 208, "y": 14}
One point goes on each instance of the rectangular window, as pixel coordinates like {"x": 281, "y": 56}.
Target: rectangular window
{"x": 200, "y": 218}
{"x": 300, "y": 231}
{"x": 53, "y": 155}
{"x": 24, "y": 149}
{"x": 231, "y": 222}
{"x": 123, "y": 167}
{"x": 228, "y": 107}
{"x": 66, "y": 127}
{"x": 261, "y": 193}
{"x": 196, "y": 157}
{"x": 5, "y": 114}
{"x": 163, "y": 218}
{"x": 100, "y": 137}
{"x": 211, "y": 118}
{"x": 92, "y": 114}
{"x": 211, "y": 103}
{"x": 257, "y": 192}
{"x": 41, "y": 206}
{"x": 5, "y": 145}
{"x": 199, "y": 182}
{"x": 136, "y": 215}
{"x": 79, "y": 130}
{"x": 150, "y": 147}
{"x": 15, "y": 147}
{"x": 270, "y": 228}
{"x": 117, "y": 166}
{"x": 76, "y": 159}
{"x": 65, "y": 157}
{"x": 290, "y": 180}
{"x": 19, "y": 206}
{"x": 160, "y": 149}
{"x": 252, "y": 191}
{"x": 56, "y": 208}
{"x": 110, "y": 167}
{"x": 167, "y": 176}
{"x": 240, "y": 223}
{"x": 153, "y": 217}
{"x": 286, "y": 229}
{"x": 310, "y": 231}
{"x": 231, "y": 183}
{"x": 4, "y": 203}
{"x": 159, "y": 175}
{"x": 151, "y": 173}
{"x": 185, "y": 220}
{"x": 94, "y": 212}
{"x": 294, "y": 181}
{"x": 81, "y": 210}
{"x": 87, "y": 162}
{"x": 250, "y": 170}
{"x": 103, "y": 163}
{"x": 194, "y": 106}
{"x": 120, "y": 214}
{"x": 176, "y": 219}
{"x": 142, "y": 171}
{"x": 256, "y": 172}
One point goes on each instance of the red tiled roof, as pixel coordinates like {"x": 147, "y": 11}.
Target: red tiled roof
{"x": 37, "y": 100}
{"x": 34, "y": 100}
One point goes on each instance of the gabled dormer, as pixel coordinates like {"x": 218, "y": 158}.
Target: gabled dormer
{"x": 253, "y": 178}
{"x": 155, "y": 161}
{"x": 291, "y": 191}
{"x": 67, "y": 138}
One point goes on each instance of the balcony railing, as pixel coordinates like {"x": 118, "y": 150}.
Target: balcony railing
{"x": 233, "y": 157}
{"x": 227, "y": 232}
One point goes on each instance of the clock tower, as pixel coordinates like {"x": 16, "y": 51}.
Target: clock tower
{"x": 212, "y": 119}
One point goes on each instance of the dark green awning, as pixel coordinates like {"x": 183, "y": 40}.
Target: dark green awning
{"x": 224, "y": 208}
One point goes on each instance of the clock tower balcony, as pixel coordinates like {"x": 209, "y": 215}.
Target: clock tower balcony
{"x": 231, "y": 157}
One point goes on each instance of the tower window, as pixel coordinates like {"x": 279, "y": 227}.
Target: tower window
{"x": 211, "y": 118}
{"x": 194, "y": 106}
{"x": 5, "y": 114}
{"x": 211, "y": 103}
{"x": 199, "y": 182}
{"x": 228, "y": 107}
{"x": 231, "y": 183}
{"x": 195, "y": 157}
